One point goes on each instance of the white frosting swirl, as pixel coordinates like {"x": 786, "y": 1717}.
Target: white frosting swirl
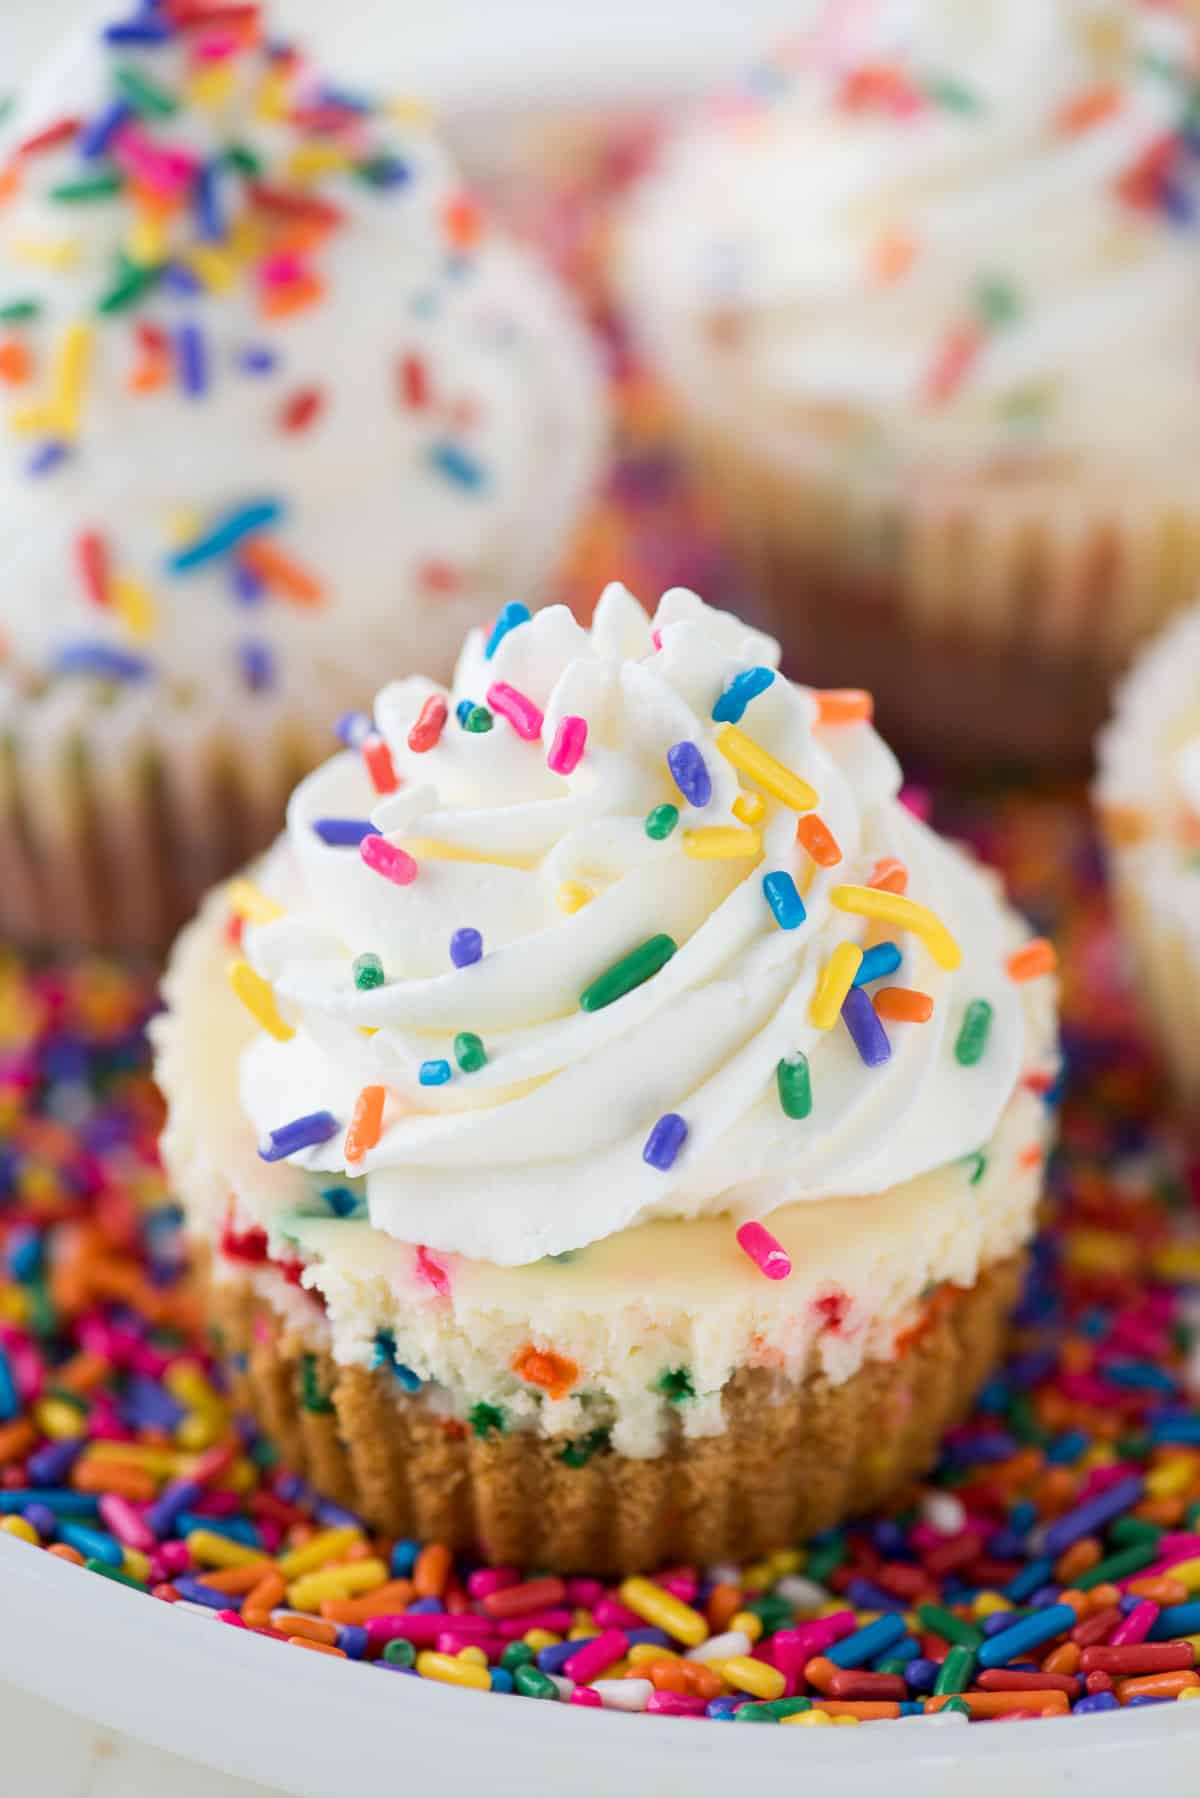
{"x": 541, "y": 1150}
{"x": 453, "y": 406}
{"x": 923, "y": 233}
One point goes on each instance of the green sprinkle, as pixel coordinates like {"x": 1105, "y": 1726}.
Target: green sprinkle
{"x": 368, "y": 972}
{"x": 145, "y": 96}
{"x": 640, "y": 965}
{"x": 978, "y": 1165}
{"x": 531, "y": 1682}
{"x": 1119, "y": 1566}
{"x": 943, "y": 90}
{"x": 92, "y": 187}
{"x": 825, "y": 1557}
{"x": 772, "y": 1612}
{"x": 114, "y": 1573}
{"x": 955, "y": 1672}
{"x": 19, "y": 312}
{"x": 675, "y": 1384}
{"x": 896, "y": 1664}
{"x": 579, "y": 1452}
{"x": 517, "y": 1654}
{"x": 795, "y": 1085}
{"x": 1136, "y": 1529}
{"x": 129, "y": 284}
{"x": 478, "y": 719}
{"x": 314, "y": 1399}
{"x": 772, "y": 1710}
{"x": 957, "y": 1704}
{"x": 973, "y": 1036}
{"x": 997, "y": 301}
{"x": 469, "y": 1052}
{"x": 661, "y": 821}
{"x": 399, "y": 1652}
{"x": 486, "y": 1420}
{"x": 41, "y": 1311}
{"x": 243, "y": 159}
{"x": 945, "y": 1623}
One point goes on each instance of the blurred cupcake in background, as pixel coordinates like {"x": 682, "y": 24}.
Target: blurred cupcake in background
{"x": 1148, "y": 794}
{"x": 278, "y": 409}
{"x": 927, "y": 294}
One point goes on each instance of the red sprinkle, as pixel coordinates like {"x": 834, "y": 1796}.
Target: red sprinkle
{"x": 414, "y": 380}
{"x": 60, "y": 132}
{"x": 302, "y": 409}
{"x": 378, "y": 759}
{"x": 92, "y": 554}
{"x": 431, "y": 722}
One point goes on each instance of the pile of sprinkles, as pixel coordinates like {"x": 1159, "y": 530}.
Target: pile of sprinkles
{"x": 1049, "y": 1566}
{"x": 224, "y": 171}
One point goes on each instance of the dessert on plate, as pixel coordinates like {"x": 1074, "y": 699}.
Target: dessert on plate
{"x": 620, "y": 1141}
{"x": 1148, "y": 800}
{"x": 925, "y": 293}
{"x": 278, "y": 409}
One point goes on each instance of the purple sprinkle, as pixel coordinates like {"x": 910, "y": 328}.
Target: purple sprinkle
{"x": 191, "y": 353}
{"x": 150, "y": 29}
{"x": 50, "y": 1466}
{"x": 1093, "y": 1514}
{"x": 257, "y": 665}
{"x": 301, "y": 1133}
{"x": 207, "y": 201}
{"x": 96, "y": 136}
{"x": 665, "y": 1141}
{"x": 196, "y": 1592}
{"x": 343, "y": 833}
{"x": 101, "y": 661}
{"x": 351, "y": 728}
{"x": 866, "y": 1030}
{"x": 247, "y": 587}
{"x": 257, "y": 359}
{"x": 179, "y": 280}
{"x": 466, "y": 947}
{"x": 173, "y": 1499}
{"x": 690, "y": 773}
{"x": 46, "y": 457}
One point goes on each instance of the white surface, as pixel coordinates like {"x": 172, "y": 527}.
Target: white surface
{"x": 325, "y": 1729}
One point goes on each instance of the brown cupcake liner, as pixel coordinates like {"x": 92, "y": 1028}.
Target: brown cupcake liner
{"x": 110, "y": 837}
{"x": 793, "y": 1459}
{"x": 988, "y": 619}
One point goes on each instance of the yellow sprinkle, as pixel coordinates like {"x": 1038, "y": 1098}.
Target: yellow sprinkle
{"x": 1189, "y": 1692}
{"x": 21, "y": 1529}
{"x": 185, "y": 1382}
{"x": 989, "y": 1604}
{"x": 54, "y": 253}
{"x": 251, "y": 903}
{"x": 256, "y": 995}
{"x": 1171, "y": 1480}
{"x": 217, "y": 269}
{"x": 183, "y": 523}
{"x": 452, "y": 1671}
{"x": 1187, "y": 1573}
{"x": 14, "y": 1304}
{"x": 318, "y": 1551}
{"x": 749, "y": 758}
{"x": 434, "y": 849}
{"x": 473, "y": 1655}
{"x": 59, "y": 1420}
{"x": 572, "y": 896}
{"x": 60, "y": 415}
{"x": 311, "y": 1590}
{"x": 207, "y": 88}
{"x": 750, "y": 1623}
{"x": 200, "y": 1429}
{"x": 406, "y": 109}
{"x": 721, "y": 843}
{"x": 147, "y": 241}
{"x": 136, "y": 1564}
{"x": 1173, "y": 1261}
{"x": 162, "y": 1462}
{"x": 906, "y": 914}
{"x": 643, "y": 1652}
{"x": 663, "y": 1611}
{"x": 271, "y": 99}
{"x": 134, "y": 607}
{"x": 749, "y": 807}
{"x": 537, "y": 1639}
{"x": 308, "y": 162}
{"x": 756, "y": 1576}
{"x": 836, "y": 979}
{"x": 785, "y": 1561}
{"x": 212, "y": 1549}
{"x": 745, "y": 1674}
{"x": 809, "y": 1719}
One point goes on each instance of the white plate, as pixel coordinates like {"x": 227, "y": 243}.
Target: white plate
{"x": 312, "y": 1725}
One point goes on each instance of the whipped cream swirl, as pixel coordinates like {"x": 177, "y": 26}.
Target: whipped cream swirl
{"x": 546, "y": 1146}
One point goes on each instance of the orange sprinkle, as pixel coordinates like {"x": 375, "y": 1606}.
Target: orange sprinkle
{"x": 952, "y": 363}
{"x": 1063, "y": 1659}
{"x": 96, "y": 1474}
{"x": 432, "y": 1570}
{"x": 997, "y": 1704}
{"x": 819, "y": 1671}
{"x": 724, "y": 1601}
{"x": 81, "y": 1373}
{"x": 555, "y": 1374}
{"x": 384, "y": 1601}
{"x": 903, "y": 1005}
{"x": 313, "y": 1629}
{"x": 844, "y": 705}
{"x": 317, "y": 1647}
{"x": 892, "y": 255}
{"x": 1031, "y": 1155}
{"x": 266, "y": 1593}
{"x": 1124, "y": 824}
{"x": 1161, "y": 1591}
{"x": 1156, "y": 1685}
{"x": 462, "y": 220}
{"x": 10, "y": 181}
{"x": 1032, "y": 960}
{"x": 235, "y": 1580}
{"x": 16, "y": 1440}
{"x": 16, "y": 362}
{"x": 291, "y": 297}
{"x": 890, "y": 875}
{"x": 278, "y": 572}
{"x": 814, "y": 836}
{"x": 65, "y": 1552}
{"x": 1089, "y": 108}
{"x": 366, "y": 1125}
{"x": 1079, "y": 1558}
{"x": 869, "y": 1709}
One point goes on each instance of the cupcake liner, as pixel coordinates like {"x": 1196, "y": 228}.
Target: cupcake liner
{"x": 117, "y": 815}
{"x": 1164, "y": 961}
{"x": 792, "y": 1460}
{"x": 987, "y": 618}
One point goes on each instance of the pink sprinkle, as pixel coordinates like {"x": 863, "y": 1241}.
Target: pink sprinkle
{"x": 1137, "y": 1626}
{"x": 585, "y": 1592}
{"x": 281, "y": 270}
{"x": 491, "y": 1579}
{"x": 656, "y": 639}
{"x": 395, "y": 864}
{"x": 232, "y": 1618}
{"x": 422, "y": 1628}
{"x": 215, "y": 49}
{"x": 610, "y": 1613}
{"x": 767, "y": 1253}
{"x": 431, "y": 1271}
{"x": 591, "y": 1660}
{"x": 120, "y": 1517}
{"x": 585, "y": 1696}
{"x": 676, "y": 1704}
{"x": 521, "y": 712}
{"x": 557, "y": 1620}
{"x": 167, "y": 171}
{"x": 917, "y": 800}
{"x": 568, "y": 745}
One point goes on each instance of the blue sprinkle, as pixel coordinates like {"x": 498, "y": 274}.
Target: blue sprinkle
{"x": 101, "y": 661}
{"x": 665, "y": 1141}
{"x": 257, "y": 359}
{"x": 880, "y": 959}
{"x": 463, "y": 710}
{"x": 1023, "y": 1585}
{"x": 178, "y": 279}
{"x": 867, "y": 1644}
{"x": 10, "y": 1398}
{"x": 722, "y": 1710}
{"x": 340, "y": 1200}
{"x": 458, "y": 466}
{"x": 690, "y": 773}
{"x": 343, "y": 833}
{"x": 257, "y": 665}
{"x": 46, "y": 457}
{"x": 1176, "y": 1620}
{"x": 1096, "y": 1701}
{"x": 501, "y": 1678}
{"x": 93, "y": 1545}
{"x": 351, "y": 728}
{"x": 234, "y": 1529}
{"x": 1030, "y": 1632}
{"x": 404, "y": 1557}
{"x": 466, "y": 947}
{"x": 389, "y": 171}
{"x": 410, "y": 1381}
{"x": 508, "y": 618}
{"x": 191, "y": 354}
{"x": 301, "y": 1133}
{"x": 207, "y": 201}
{"x": 352, "y": 1640}
{"x": 434, "y": 1073}
{"x": 744, "y": 687}
{"x": 1176, "y": 1430}
{"x": 232, "y": 529}
{"x": 99, "y": 132}
{"x": 784, "y": 900}
{"x": 149, "y": 29}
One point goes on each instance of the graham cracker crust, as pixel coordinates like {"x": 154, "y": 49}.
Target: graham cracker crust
{"x": 794, "y": 1459}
